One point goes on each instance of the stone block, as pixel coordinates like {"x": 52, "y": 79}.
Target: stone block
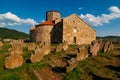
{"x": 72, "y": 63}
{"x": 108, "y": 46}
{"x": 1, "y": 44}
{"x": 82, "y": 54}
{"x": 38, "y": 56}
{"x": 65, "y": 46}
{"x": 94, "y": 48}
{"x": 31, "y": 46}
{"x": 13, "y": 61}
{"x": 58, "y": 48}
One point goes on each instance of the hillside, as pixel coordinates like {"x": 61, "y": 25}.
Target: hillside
{"x": 12, "y": 34}
{"x": 109, "y": 37}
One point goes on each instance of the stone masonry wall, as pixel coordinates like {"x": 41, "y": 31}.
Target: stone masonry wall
{"x": 56, "y": 33}
{"x": 43, "y": 33}
{"x": 53, "y": 15}
{"x": 32, "y": 35}
{"x": 75, "y": 30}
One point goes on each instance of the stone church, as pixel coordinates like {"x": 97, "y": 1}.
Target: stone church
{"x": 55, "y": 29}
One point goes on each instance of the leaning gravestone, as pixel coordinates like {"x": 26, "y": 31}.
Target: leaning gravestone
{"x": 108, "y": 46}
{"x": 72, "y": 63}
{"x": 13, "y": 61}
{"x": 58, "y": 48}
{"x": 94, "y": 48}
{"x": 82, "y": 54}
{"x": 38, "y": 56}
{"x": 46, "y": 50}
{"x": 65, "y": 46}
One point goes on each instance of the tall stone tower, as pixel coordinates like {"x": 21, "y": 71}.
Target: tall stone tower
{"x": 53, "y": 15}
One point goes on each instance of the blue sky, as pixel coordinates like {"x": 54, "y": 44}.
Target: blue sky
{"x": 102, "y": 15}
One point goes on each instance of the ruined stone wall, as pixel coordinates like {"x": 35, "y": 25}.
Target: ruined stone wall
{"x": 43, "y": 33}
{"x": 76, "y": 31}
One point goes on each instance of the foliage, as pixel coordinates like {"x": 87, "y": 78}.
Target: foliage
{"x": 12, "y": 34}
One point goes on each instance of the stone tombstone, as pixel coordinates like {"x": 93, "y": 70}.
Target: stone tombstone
{"x": 13, "y": 61}
{"x": 46, "y": 50}
{"x": 82, "y": 54}
{"x": 108, "y": 46}
{"x": 16, "y": 47}
{"x": 1, "y": 44}
{"x": 31, "y": 46}
{"x": 61, "y": 47}
{"x": 101, "y": 42}
{"x": 65, "y": 46}
{"x": 72, "y": 63}
{"x": 58, "y": 48}
{"x": 38, "y": 56}
{"x": 94, "y": 48}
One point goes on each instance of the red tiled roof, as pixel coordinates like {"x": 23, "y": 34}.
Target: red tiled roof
{"x": 48, "y": 22}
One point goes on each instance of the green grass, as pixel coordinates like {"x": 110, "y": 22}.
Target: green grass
{"x": 75, "y": 74}
{"x": 5, "y": 48}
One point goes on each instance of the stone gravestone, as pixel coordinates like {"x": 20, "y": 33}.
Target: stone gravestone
{"x": 94, "y": 48}
{"x": 16, "y": 47}
{"x": 65, "y": 46}
{"x": 58, "y": 48}
{"x": 108, "y": 46}
{"x": 46, "y": 50}
{"x": 61, "y": 47}
{"x": 82, "y": 54}
{"x": 1, "y": 44}
{"x": 72, "y": 63}
{"x": 38, "y": 56}
{"x": 13, "y": 61}
{"x": 31, "y": 46}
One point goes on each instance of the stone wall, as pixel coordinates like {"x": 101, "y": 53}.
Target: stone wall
{"x": 43, "y": 33}
{"x": 53, "y": 15}
{"x": 32, "y": 35}
{"x": 56, "y": 33}
{"x": 76, "y": 31}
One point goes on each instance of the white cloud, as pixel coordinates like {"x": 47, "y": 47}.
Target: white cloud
{"x": 2, "y": 24}
{"x": 80, "y": 8}
{"x": 10, "y": 19}
{"x": 103, "y": 18}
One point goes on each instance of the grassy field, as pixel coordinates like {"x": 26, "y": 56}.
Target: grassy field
{"x": 104, "y": 66}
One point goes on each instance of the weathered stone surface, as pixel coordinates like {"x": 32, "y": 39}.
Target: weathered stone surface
{"x": 1, "y": 44}
{"x": 61, "y": 47}
{"x": 108, "y": 46}
{"x": 13, "y": 61}
{"x": 38, "y": 56}
{"x": 16, "y": 47}
{"x": 82, "y": 54}
{"x": 65, "y": 46}
{"x": 31, "y": 46}
{"x": 46, "y": 49}
{"x": 58, "y": 48}
{"x": 94, "y": 48}
{"x": 72, "y": 63}
{"x": 17, "y": 50}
